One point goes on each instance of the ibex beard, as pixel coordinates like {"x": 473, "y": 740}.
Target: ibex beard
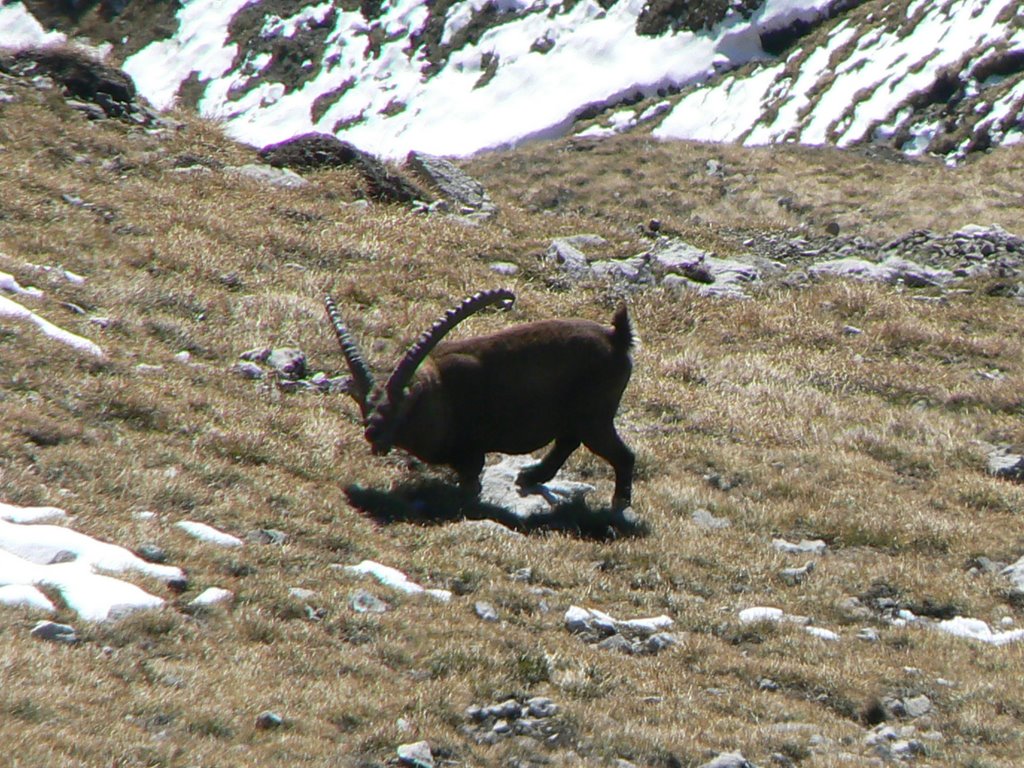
{"x": 513, "y": 391}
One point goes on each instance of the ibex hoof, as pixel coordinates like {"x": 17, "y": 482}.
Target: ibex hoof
{"x": 530, "y": 477}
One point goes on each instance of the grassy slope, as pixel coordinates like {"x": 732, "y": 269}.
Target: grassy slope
{"x": 868, "y": 441}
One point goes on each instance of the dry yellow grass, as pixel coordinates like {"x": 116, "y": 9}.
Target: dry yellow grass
{"x": 868, "y": 441}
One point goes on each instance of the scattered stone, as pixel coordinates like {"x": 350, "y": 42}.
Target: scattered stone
{"x": 616, "y": 643}
{"x": 917, "y": 706}
{"x": 633, "y": 636}
{"x": 678, "y": 264}
{"x": 288, "y": 362}
{"x": 268, "y": 720}
{"x": 822, "y": 634}
{"x": 868, "y": 635}
{"x": 301, "y": 593}
{"x": 485, "y": 611}
{"x": 504, "y": 268}
{"x": 362, "y": 601}
{"x": 499, "y": 487}
{"x": 267, "y": 536}
{"x": 213, "y": 596}
{"x": 248, "y": 370}
{"x": 54, "y": 632}
{"x": 265, "y": 174}
{"x": 540, "y": 707}
{"x": 417, "y": 755}
{"x": 804, "y": 547}
{"x": 452, "y": 182}
{"x": 794, "y": 576}
{"x": 256, "y": 355}
{"x": 568, "y": 259}
{"x": 729, "y": 760}
{"x": 1006, "y": 465}
{"x": 208, "y": 533}
{"x": 152, "y": 553}
{"x": 536, "y": 719}
{"x": 704, "y": 519}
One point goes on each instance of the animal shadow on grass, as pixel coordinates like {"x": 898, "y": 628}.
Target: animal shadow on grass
{"x": 434, "y": 502}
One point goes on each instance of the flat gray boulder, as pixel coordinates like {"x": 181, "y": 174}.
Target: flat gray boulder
{"x": 500, "y": 489}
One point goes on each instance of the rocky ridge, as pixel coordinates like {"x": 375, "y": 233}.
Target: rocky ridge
{"x": 376, "y": 74}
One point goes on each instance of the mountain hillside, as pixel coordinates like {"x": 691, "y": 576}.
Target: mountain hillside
{"x": 203, "y": 564}
{"x": 454, "y": 78}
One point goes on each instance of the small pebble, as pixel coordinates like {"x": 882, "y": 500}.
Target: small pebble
{"x": 54, "y": 632}
{"x": 268, "y": 720}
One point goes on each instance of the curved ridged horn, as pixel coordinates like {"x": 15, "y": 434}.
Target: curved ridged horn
{"x": 362, "y": 379}
{"x": 432, "y": 336}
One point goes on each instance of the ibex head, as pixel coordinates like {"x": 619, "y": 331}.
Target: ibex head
{"x": 382, "y": 407}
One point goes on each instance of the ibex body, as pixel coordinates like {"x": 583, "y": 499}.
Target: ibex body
{"x": 512, "y": 391}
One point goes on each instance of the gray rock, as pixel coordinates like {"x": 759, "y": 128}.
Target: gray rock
{"x": 247, "y": 370}
{"x": 917, "y": 706}
{"x": 504, "y": 268}
{"x": 268, "y": 720}
{"x": 616, "y": 643}
{"x": 509, "y": 709}
{"x": 680, "y": 265}
{"x": 289, "y": 362}
{"x": 705, "y": 519}
{"x": 1005, "y": 465}
{"x": 417, "y": 754}
{"x": 894, "y": 269}
{"x": 267, "y": 536}
{"x": 265, "y": 174}
{"x": 152, "y": 553}
{"x": 541, "y": 707}
{"x": 499, "y": 487}
{"x": 485, "y": 611}
{"x": 633, "y": 271}
{"x": 729, "y": 760}
{"x": 54, "y": 632}
{"x": 568, "y": 258}
{"x": 1015, "y": 573}
{"x": 804, "y": 547}
{"x": 362, "y": 601}
{"x": 452, "y": 182}
{"x": 794, "y": 576}
{"x": 659, "y": 642}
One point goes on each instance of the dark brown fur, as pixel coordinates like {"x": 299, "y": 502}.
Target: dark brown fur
{"x": 515, "y": 391}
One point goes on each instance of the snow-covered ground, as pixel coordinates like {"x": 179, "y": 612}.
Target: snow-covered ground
{"x": 539, "y": 64}
{"x": 37, "y": 554}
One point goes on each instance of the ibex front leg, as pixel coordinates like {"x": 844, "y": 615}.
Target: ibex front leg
{"x": 548, "y": 467}
{"x": 468, "y": 470}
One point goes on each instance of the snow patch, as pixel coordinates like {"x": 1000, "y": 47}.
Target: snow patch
{"x": 34, "y": 556}
{"x": 208, "y": 533}
{"x": 12, "y": 309}
{"x": 394, "y": 578}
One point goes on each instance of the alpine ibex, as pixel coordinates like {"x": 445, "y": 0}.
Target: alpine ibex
{"x": 512, "y": 391}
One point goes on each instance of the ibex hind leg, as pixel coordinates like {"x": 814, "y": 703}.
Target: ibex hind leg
{"x": 548, "y": 467}
{"x": 606, "y": 443}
